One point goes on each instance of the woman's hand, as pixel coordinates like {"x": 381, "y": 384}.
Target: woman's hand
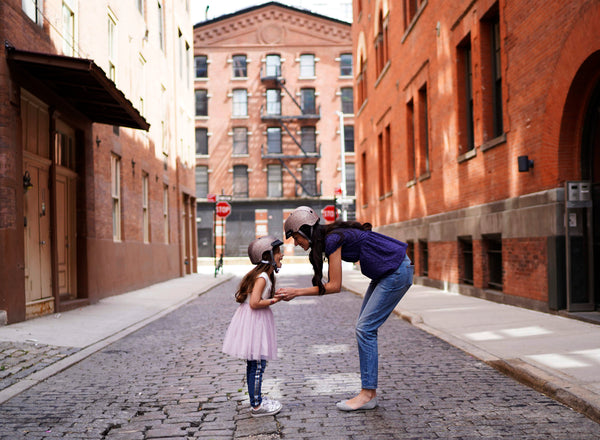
{"x": 286, "y": 293}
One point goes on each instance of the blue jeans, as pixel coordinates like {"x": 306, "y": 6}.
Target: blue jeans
{"x": 380, "y": 300}
{"x": 254, "y": 374}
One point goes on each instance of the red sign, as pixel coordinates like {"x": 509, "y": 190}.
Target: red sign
{"x": 211, "y": 197}
{"x": 223, "y": 209}
{"x": 337, "y": 191}
{"x": 329, "y": 213}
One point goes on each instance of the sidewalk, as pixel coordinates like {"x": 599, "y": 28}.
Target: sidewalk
{"x": 555, "y": 355}
{"x": 31, "y": 351}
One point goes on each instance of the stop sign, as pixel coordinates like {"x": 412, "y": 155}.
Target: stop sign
{"x": 329, "y": 213}
{"x": 223, "y": 209}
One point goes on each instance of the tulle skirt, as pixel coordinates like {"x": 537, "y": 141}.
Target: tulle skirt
{"x": 251, "y": 334}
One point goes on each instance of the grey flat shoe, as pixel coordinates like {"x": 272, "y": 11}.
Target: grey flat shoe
{"x": 342, "y": 406}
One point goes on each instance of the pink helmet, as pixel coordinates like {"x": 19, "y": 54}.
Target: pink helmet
{"x": 302, "y": 215}
{"x": 258, "y": 247}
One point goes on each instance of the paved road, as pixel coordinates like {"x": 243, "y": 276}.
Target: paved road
{"x": 170, "y": 380}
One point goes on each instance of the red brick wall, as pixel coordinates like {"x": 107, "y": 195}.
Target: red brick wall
{"x": 525, "y": 265}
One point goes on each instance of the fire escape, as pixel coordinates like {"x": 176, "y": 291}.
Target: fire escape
{"x": 305, "y": 118}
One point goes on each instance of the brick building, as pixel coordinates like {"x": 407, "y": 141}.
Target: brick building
{"x": 475, "y": 116}
{"x": 270, "y": 83}
{"x": 96, "y": 151}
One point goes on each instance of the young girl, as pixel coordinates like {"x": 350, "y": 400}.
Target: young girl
{"x": 251, "y": 333}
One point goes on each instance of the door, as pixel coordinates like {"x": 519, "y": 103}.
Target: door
{"x": 38, "y": 267}
{"x": 64, "y": 148}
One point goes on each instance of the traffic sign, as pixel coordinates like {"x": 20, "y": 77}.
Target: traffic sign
{"x": 329, "y": 213}
{"x": 211, "y": 197}
{"x": 223, "y": 209}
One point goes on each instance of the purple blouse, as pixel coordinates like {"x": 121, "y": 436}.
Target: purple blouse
{"x": 378, "y": 254}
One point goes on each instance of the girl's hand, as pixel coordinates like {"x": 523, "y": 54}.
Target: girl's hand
{"x": 286, "y": 293}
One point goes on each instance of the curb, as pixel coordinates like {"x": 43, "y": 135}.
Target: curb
{"x": 58, "y": 366}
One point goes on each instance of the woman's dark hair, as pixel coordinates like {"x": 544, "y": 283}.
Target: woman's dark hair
{"x": 317, "y": 246}
{"x": 249, "y": 279}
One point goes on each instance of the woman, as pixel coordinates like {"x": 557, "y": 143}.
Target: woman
{"x": 382, "y": 259}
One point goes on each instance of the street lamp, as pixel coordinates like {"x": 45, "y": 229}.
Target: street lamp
{"x": 343, "y": 165}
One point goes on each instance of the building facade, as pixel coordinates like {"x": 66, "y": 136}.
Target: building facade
{"x": 274, "y": 121}
{"x": 480, "y": 119}
{"x": 96, "y": 151}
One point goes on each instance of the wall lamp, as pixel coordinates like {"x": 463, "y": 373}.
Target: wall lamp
{"x": 98, "y": 141}
{"x": 525, "y": 163}
{"x": 27, "y": 185}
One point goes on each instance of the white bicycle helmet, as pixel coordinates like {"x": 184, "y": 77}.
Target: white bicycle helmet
{"x": 258, "y": 247}
{"x": 302, "y": 215}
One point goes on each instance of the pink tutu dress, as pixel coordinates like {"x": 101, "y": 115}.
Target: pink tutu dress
{"x": 251, "y": 333}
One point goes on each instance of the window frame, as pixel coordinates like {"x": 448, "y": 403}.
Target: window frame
{"x": 200, "y": 69}
{"x": 239, "y": 101}
{"x": 239, "y": 141}
{"x": 202, "y": 145}
{"x": 307, "y": 63}
{"x": 236, "y": 68}
{"x": 203, "y": 102}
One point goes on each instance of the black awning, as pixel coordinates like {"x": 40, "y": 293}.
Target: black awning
{"x": 82, "y": 84}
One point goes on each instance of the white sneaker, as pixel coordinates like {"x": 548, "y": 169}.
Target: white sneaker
{"x": 267, "y": 408}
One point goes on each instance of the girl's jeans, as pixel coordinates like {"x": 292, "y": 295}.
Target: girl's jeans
{"x": 254, "y": 374}
{"x": 380, "y": 300}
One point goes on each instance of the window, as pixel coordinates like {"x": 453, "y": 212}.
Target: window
{"x": 115, "y": 190}
{"x": 273, "y": 102}
{"x": 497, "y": 78}
{"x": 465, "y": 96}
{"x": 68, "y": 30}
{"x": 465, "y": 263}
{"x": 240, "y": 181}
{"x": 309, "y": 179}
{"x": 361, "y": 82}
{"x": 166, "y": 213}
{"x": 381, "y": 44}
{"x": 350, "y": 180}
{"x": 161, "y": 27}
{"x": 240, "y": 140}
{"x": 349, "y": 138}
{"x": 307, "y": 101}
{"x": 145, "y": 213}
{"x": 309, "y": 139}
{"x": 363, "y": 178}
{"x": 274, "y": 140}
{"x": 492, "y": 245}
{"x": 387, "y": 160}
{"x": 273, "y": 65}
{"x": 112, "y": 47}
{"x": 141, "y": 82}
{"x": 240, "y": 69}
{"x": 201, "y": 181}
{"x": 493, "y": 125}
{"x": 411, "y": 8}
{"x": 201, "y": 66}
{"x": 346, "y": 64}
{"x": 307, "y": 66}
{"x": 201, "y": 141}
{"x": 274, "y": 181}
{"x": 424, "y": 257}
{"x": 240, "y": 103}
{"x": 201, "y": 102}
{"x": 347, "y": 101}
{"x": 410, "y": 140}
{"x": 33, "y": 9}
{"x": 423, "y": 128}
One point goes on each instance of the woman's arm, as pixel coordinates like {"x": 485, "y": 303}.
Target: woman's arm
{"x": 256, "y": 302}
{"x": 333, "y": 284}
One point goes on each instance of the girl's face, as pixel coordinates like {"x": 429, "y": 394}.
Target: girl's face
{"x": 301, "y": 241}
{"x": 278, "y": 256}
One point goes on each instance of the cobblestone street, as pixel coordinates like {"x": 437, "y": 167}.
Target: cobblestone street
{"x": 170, "y": 380}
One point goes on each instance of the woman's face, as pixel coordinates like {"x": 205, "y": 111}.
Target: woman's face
{"x": 301, "y": 241}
